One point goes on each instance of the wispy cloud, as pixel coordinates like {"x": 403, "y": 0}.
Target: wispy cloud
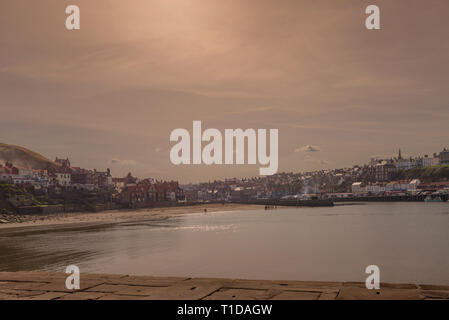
{"x": 320, "y": 162}
{"x": 308, "y": 148}
{"x": 123, "y": 162}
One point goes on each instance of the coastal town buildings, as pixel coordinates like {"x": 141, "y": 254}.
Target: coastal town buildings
{"x": 410, "y": 175}
{"x": 359, "y": 188}
{"x": 383, "y": 170}
{"x": 426, "y": 161}
{"x": 385, "y": 167}
{"x": 63, "y": 175}
{"x": 63, "y": 178}
{"x": 444, "y": 156}
{"x": 137, "y": 193}
{"x": 378, "y": 177}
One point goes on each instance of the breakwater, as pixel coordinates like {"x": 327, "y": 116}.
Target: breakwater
{"x": 410, "y": 198}
{"x": 289, "y": 203}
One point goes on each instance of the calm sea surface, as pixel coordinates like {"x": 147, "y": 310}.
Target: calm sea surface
{"x": 408, "y": 241}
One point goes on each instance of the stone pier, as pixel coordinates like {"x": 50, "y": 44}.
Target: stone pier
{"x": 51, "y": 286}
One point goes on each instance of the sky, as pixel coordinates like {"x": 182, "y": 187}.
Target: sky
{"x": 108, "y": 95}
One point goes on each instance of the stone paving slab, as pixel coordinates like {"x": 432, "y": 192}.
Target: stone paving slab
{"x": 297, "y": 295}
{"x": 139, "y": 291}
{"x": 108, "y": 288}
{"x": 48, "y": 296}
{"x": 146, "y": 281}
{"x": 241, "y": 294}
{"x": 328, "y": 295}
{"x": 59, "y": 286}
{"x": 51, "y": 286}
{"x": 433, "y": 287}
{"x": 119, "y": 297}
{"x": 435, "y": 294}
{"x": 359, "y": 293}
{"x": 21, "y": 285}
{"x": 83, "y": 296}
{"x": 181, "y": 291}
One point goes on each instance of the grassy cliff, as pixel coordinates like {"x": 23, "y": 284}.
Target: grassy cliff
{"x": 430, "y": 174}
{"x": 23, "y": 157}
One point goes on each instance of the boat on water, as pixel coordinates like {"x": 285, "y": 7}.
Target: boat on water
{"x": 432, "y": 199}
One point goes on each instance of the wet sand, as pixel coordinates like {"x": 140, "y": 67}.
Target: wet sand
{"x": 117, "y": 216}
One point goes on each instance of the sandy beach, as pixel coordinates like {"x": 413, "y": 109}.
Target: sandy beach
{"x": 116, "y": 216}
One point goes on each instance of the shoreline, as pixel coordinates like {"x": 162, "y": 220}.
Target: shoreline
{"x": 135, "y": 215}
{"x": 121, "y": 215}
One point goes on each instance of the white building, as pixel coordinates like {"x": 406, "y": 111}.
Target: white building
{"x": 403, "y": 186}
{"x": 375, "y": 188}
{"x": 19, "y": 179}
{"x": 405, "y": 164}
{"x": 63, "y": 179}
{"x": 413, "y": 185}
{"x": 357, "y": 187}
{"x": 430, "y": 162}
{"x": 4, "y": 177}
{"x": 338, "y": 195}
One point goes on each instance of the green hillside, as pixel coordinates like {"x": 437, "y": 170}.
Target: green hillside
{"x": 430, "y": 174}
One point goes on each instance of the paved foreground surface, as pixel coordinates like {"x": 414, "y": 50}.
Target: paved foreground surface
{"x": 51, "y": 286}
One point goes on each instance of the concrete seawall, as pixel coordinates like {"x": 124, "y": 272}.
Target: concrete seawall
{"x": 289, "y": 203}
{"x": 51, "y": 286}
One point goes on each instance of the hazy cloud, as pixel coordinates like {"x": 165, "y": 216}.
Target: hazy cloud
{"x": 308, "y": 148}
{"x": 383, "y": 156}
{"x": 123, "y": 162}
{"x": 320, "y": 162}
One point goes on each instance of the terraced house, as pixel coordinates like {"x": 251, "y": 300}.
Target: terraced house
{"x": 146, "y": 193}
